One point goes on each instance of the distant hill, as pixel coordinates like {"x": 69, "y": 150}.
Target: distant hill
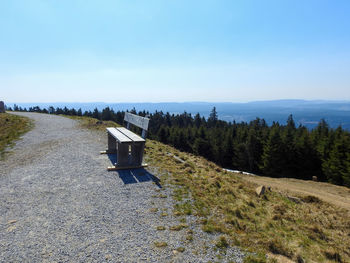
{"x": 307, "y": 113}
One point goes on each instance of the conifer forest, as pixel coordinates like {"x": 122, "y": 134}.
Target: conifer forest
{"x": 277, "y": 150}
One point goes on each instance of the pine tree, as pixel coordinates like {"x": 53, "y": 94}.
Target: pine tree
{"x": 254, "y": 150}
{"x": 96, "y": 114}
{"x": 273, "y": 161}
{"x": 336, "y": 168}
{"x": 228, "y": 151}
{"x": 308, "y": 161}
{"x": 202, "y": 147}
{"x": 346, "y": 177}
{"x": 322, "y": 139}
{"x": 240, "y": 159}
{"x": 190, "y": 137}
{"x": 197, "y": 120}
{"x": 162, "y": 134}
{"x": 106, "y": 114}
{"x": 290, "y": 149}
{"x": 213, "y": 117}
{"x": 73, "y": 112}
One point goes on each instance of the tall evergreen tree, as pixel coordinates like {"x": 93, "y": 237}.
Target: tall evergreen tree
{"x": 197, "y": 120}
{"x": 254, "y": 150}
{"x": 228, "y": 151}
{"x": 213, "y": 117}
{"x": 336, "y": 167}
{"x": 202, "y": 147}
{"x": 308, "y": 161}
{"x": 96, "y": 114}
{"x": 162, "y": 134}
{"x": 290, "y": 151}
{"x": 106, "y": 114}
{"x": 273, "y": 161}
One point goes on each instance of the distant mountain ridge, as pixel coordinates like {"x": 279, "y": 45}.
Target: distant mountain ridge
{"x": 305, "y": 112}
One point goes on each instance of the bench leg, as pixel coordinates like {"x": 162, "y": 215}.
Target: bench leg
{"x": 137, "y": 153}
{"x": 123, "y": 154}
{"x": 112, "y": 145}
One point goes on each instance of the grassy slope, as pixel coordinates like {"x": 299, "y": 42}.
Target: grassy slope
{"x": 333, "y": 194}
{"x": 11, "y": 128}
{"x": 91, "y": 123}
{"x": 224, "y": 202}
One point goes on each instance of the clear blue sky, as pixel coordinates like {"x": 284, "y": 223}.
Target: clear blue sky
{"x": 122, "y": 51}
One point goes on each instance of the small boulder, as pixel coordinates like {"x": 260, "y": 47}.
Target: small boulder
{"x": 260, "y": 190}
{"x": 314, "y": 178}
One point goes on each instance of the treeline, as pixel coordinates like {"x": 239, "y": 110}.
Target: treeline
{"x": 276, "y": 150}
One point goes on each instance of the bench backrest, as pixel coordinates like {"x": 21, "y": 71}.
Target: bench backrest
{"x": 141, "y": 122}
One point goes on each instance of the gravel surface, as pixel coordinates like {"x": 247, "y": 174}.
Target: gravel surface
{"x": 58, "y": 203}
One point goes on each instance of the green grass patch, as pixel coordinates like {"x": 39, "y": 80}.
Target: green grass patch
{"x": 184, "y": 208}
{"x": 11, "y": 128}
{"x": 222, "y": 242}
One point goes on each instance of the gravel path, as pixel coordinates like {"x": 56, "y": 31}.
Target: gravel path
{"x": 59, "y": 204}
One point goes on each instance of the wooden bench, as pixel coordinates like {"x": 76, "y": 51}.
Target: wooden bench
{"x": 127, "y": 145}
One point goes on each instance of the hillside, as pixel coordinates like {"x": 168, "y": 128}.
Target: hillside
{"x": 296, "y": 226}
{"x": 199, "y": 211}
{"x": 298, "y": 219}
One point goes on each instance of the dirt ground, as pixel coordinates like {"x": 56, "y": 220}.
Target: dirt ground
{"x": 333, "y": 194}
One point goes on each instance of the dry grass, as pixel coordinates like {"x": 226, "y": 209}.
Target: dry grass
{"x": 178, "y": 227}
{"x": 11, "y": 128}
{"x": 312, "y": 230}
{"x": 270, "y": 224}
{"x": 221, "y": 242}
{"x": 160, "y": 244}
{"x": 180, "y": 249}
{"x": 92, "y": 123}
{"x": 337, "y": 195}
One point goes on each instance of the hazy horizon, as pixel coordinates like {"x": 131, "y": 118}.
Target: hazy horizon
{"x": 194, "y": 101}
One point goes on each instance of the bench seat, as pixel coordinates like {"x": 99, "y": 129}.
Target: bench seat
{"x": 118, "y": 135}
{"x": 134, "y": 137}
